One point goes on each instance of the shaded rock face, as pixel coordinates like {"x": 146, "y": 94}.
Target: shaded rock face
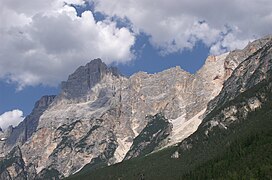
{"x": 21, "y": 133}
{"x": 152, "y": 137}
{"x": 12, "y": 166}
{"x": 79, "y": 84}
{"x": 248, "y": 87}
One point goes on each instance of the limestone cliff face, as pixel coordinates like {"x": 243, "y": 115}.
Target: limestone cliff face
{"x": 248, "y": 87}
{"x": 12, "y": 166}
{"x": 21, "y": 133}
{"x": 252, "y": 69}
{"x": 79, "y": 84}
{"x": 75, "y": 130}
{"x": 100, "y": 115}
{"x": 237, "y": 56}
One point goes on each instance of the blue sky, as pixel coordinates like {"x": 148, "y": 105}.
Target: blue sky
{"x": 44, "y": 41}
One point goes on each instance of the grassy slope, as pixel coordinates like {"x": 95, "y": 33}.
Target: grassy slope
{"x": 244, "y": 151}
{"x": 248, "y": 156}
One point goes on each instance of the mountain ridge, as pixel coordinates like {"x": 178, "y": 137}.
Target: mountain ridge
{"x": 99, "y": 114}
{"x": 229, "y": 133}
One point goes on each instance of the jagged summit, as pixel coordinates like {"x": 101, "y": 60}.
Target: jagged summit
{"x": 44, "y": 102}
{"x": 86, "y": 77}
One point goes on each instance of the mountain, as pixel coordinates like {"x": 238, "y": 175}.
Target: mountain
{"x": 21, "y": 133}
{"x": 243, "y": 151}
{"x": 233, "y": 140}
{"x": 101, "y": 117}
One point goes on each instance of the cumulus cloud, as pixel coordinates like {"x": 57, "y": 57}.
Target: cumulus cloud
{"x": 175, "y": 25}
{"x": 43, "y": 41}
{"x": 11, "y": 118}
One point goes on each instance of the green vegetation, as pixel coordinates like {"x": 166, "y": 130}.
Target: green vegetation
{"x": 133, "y": 169}
{"x": 48, "y": 174}
{"x": 243, "y": 151}
{"x": 246, "y": 157}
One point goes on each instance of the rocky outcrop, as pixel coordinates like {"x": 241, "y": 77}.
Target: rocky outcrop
{"x": 246, "y": 90}
{"x": 251, "y": 74}
{"x": 238, "y": 56}
{"x": 12, "y": 166}
{"x": 152, "y": 137}
{"x": 21, "y": 133}
{"x": 247, "y": 74}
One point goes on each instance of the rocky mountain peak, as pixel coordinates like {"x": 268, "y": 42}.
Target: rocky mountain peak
{"x": 237, "y": 56}
{"x": 86, "y": 77}
{"x": 44, "y": 102}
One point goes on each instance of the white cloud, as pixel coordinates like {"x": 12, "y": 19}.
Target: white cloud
{"x": 228, "y": 42}
{"x": 43, "y": 41}
{"x": 11, "y": 118}
{"x": 175, "y": 25}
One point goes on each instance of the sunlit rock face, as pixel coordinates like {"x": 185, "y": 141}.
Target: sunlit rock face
{"x": 21, "y": 133}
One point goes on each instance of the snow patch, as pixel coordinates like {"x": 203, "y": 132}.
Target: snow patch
{"x": 39, "y": 169}
{"x": 122, "y": 149}
{"x": 135, "y": 125}
{"x": 183, "y": 128}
